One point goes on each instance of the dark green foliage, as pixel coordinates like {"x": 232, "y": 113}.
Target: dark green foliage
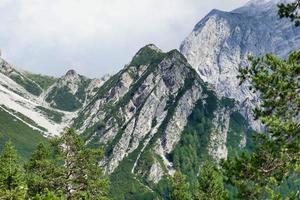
{"x": 49, "y": 196}
{"x": 81, "y": 93}
{"x": 66, "y": 170}
{"x": 146, "y": 56}
{"x": 291, "y": 11}
{"x": 82, "y": 177}
{"x": 22, "y": 136}
{"x": 64, "y": 99}
{"x": 29, "y": 85}
{"x": 12, "y": 177}
{"x": 51, "y": 114}
{"x": 210, "y": 184}
{"x": 192, "y": 147}
{"x": 43, "y": 81}
{"x": 42, "y": 173}
{"x": 238, "y": 131}
{"x": 226, "y": 102}
{"x": 180, "y": 188}
{"x": 133, "y": 188}
{"x": 275, "y": 158}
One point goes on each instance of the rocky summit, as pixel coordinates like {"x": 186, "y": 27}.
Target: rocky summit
{"x": 220, "y": 44}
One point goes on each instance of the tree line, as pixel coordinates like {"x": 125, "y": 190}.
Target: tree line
{"x": 65, "y": 169}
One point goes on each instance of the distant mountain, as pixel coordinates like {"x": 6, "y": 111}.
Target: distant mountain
{"x": 71, "y": 91}
{"x": 221, "y": 42}
{"x": 42, "y": 101}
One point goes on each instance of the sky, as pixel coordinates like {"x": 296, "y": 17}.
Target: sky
{"x": 94, "y": 37}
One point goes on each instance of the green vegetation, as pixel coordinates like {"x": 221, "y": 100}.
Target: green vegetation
{"x": 22, "y": 136}
{"x": 27, "y": 84}
{"x": 41, "y": 170}
{"x": 171, "y": 106}
{"x": 146, "y": 56}
{"x": 64, "y": 99}
{"x": 238, "y": 131}
{"x": 67, "y": 169}
{"x": 291, "y": 11}
{"x": 275, "y": 158}
{"x": 210, "y": 184}
{"x": 43, "y": 81}
{"x": 133, "y": 189}
{"x": 180, "y": 188}
{"x": 192, "y": 147}
{"x": 24, "y": 118}
{"x": 51, "y": 114}
{"x": 12, "y": 177}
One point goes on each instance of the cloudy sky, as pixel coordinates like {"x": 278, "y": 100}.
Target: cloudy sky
{"x": 94, "y": 37}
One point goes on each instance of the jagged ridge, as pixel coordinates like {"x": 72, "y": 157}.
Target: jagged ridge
{"x": 140, "y": 114}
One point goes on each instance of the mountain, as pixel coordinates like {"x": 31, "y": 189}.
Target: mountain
{"x": 221, "y": 42}
{"x": 34, "y": 107}
{"x": 164, "y": 111}
{"x": 71, "y": 92}
{"x": 155, "y": 116}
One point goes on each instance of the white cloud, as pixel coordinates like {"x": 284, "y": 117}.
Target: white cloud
{"x": 94, "y": 36}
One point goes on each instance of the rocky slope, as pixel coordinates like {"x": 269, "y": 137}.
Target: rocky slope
{"x": 143, "y": 114}
{"x": 144, "y": 117}
{"x": 42, "y": 102}
{"x": 71, "y": 91}
{"x": 221, "y": 42}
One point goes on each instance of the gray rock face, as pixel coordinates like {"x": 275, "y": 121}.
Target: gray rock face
{"x": 140, "y": 99}
{"x": 218, "y": 138}
{"x": 221, "y": 42}
{"x": 22, "y": 94}
{"x": 141, "y": 112}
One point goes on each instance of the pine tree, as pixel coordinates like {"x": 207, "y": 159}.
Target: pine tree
{"x": 12, "y": 178}
{"x": 276, "y": 157}
{"x": 42, "y": 172}
{"x": 47, "y": 195}
{"x": 83, "y": 177}
{"x": 210, "y": 184}
{"x": 180, "y": 188}
{"x": 290, "y": 10}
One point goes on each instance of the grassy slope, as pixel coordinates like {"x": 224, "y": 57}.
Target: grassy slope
{"x": 23, "y": 137}
{"x": 44, "y": 81}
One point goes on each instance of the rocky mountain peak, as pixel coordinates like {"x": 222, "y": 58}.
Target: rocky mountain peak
{"x": 153, "y": 47}
{"x": 71, "y": 72}
{"x": 261, "y": 2}
{"x": 257, "y": 8}
{"x": 149, "y": 49}
{"x": 5, "y": 68}
{"x": 221, "y": 42}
